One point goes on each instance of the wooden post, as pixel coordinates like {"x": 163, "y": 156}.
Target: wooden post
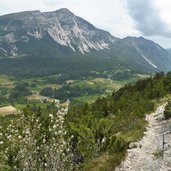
{"x": 163, "y": 146}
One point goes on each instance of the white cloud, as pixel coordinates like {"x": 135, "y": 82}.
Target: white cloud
{"x": 164, "y": 6}
{"x": 163, "y": 41}
{"x": 11, "y": 6}
{"x": 110, "y": 15}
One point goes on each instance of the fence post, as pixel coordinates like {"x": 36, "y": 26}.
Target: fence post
{"x": 163, "y": 146}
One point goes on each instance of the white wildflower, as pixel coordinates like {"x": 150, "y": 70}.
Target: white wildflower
{"x": 54, "y": 126}
{"x": 51, "y": 115}
{"x": 44, "y": 140}
{"x": 59, "y": 132}
{"x": 104, "y": 140}
{"x": 50, "y": 129}
{"x": 27, "y": 131}
{"x": 20, "y": 137}
{"x": 9, "y": 136}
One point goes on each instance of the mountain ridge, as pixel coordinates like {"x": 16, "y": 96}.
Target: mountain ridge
{"x": 61, "y": 33}
{"x": 54, "y": 23}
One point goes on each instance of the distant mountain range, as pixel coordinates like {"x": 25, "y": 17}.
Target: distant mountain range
{"x": 61, "y": 34}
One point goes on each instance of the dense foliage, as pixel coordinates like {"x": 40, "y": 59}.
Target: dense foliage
{"x": 69, "y": 92}
{"x": 102, "y": 130}
{"x": 64, "y": 67}
{"x": 35, "y": 141}
{"x": 109, "y": 124}
{"x": 18, "y": 94}
{"x": 167, "y": 112}
{"x": 75, "y": 67}
{"x": 20, "y": 90}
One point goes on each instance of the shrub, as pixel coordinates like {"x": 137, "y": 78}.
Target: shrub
{"x": 167, "y": 112}
{"x": 36, "y": 142}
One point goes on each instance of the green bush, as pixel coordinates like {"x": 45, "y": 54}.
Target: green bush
{"x": 167, "y": 112}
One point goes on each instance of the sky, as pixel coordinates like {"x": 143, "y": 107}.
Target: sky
{"x": 147, "y": 18}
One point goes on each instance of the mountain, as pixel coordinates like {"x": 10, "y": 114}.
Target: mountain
{"x": 169, "y": 50}
{"x": 60, "y": 27}
{"x": 63, "y": 36}
{"x": 151, "y": 53}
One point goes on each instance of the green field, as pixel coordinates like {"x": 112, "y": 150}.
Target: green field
{"x": 107, "y": 84}
{"x": 104, "y": 85}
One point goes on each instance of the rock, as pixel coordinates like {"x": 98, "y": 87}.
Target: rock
{"x": 132, "y": 145}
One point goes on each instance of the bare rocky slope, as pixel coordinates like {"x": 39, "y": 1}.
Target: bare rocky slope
{"x": 63, "y": 34}
{"x": 146, "y": 154}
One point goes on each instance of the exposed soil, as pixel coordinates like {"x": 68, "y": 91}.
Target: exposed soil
{"x": 148, "y": 154}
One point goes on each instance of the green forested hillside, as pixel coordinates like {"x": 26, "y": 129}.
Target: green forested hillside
{"x": 65, "y": 68}
{"x": 104, "y": 129}
{"x": 101, "y": 131}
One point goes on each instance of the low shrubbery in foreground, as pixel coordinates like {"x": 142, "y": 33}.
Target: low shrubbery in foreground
{"x": 90, "y": 136}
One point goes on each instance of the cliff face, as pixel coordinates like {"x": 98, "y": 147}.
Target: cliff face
{"x": 62, "y": 26}
{"x": 61, "y": 33}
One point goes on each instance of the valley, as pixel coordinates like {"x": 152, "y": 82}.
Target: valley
{"x": 89, "y": 119}
{"x": 83, "y": 90}
{"x": 75, "y": 97}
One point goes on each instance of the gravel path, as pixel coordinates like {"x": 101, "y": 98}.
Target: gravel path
{"x": 147, "y": 156}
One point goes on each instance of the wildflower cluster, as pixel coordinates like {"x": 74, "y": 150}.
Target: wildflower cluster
{"x": 36, "y": 142}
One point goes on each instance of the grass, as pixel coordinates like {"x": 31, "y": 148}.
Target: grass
{"x": 107, "y": 84}
{"x": 7, "y": 110}
{"x": 6, "y": 81}
{"x": 105, "y": 162}
{"x": 158, "y": 153}
{"x": 19, "y": 106}
{"x": 93, "y": 84}
{"x": 5, "y": 121}
{"x": 134, "y": 135}
{"x": 39, "y": 98}
{"x": 88, "y": 99}
{"x": 5, "y": 78}
{"x": 142, "y": 76}
{"x": 108, "y": 162}
{"x": 40, "y": 84}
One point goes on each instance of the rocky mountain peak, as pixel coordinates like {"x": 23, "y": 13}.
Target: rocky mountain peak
{"x": 62, "y": 26}
{"x": 60, "y": 14}
{"x": 61, "y": 32}
{"x": 64, "y": 11}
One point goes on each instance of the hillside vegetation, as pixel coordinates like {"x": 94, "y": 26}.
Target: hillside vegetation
{"x": 100, "y": 131}
{"x": 20, "y": 92}
{"x": 104, "y": 129}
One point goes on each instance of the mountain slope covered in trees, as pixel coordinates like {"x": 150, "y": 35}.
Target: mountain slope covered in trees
{"x": 115, "y": 121}
{"x": 101, "y": 131}
{"x": 34, "y": 43}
